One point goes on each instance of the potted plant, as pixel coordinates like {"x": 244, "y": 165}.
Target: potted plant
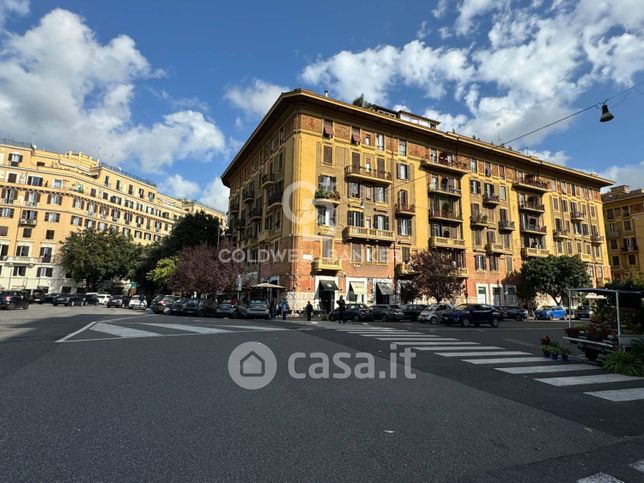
{"x": 564, "y": 351}
{"x": 545, "y": 340}
{"x": 554, "y": 352}
{"x": 546, "y": 351}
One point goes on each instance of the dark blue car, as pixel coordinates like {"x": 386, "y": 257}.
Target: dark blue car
{"x": 473, "y": 314}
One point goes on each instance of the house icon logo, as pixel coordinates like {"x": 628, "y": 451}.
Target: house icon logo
{"x": 252, "y": 365}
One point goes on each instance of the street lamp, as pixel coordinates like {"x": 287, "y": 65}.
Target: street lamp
{"x": 606, "y": 114}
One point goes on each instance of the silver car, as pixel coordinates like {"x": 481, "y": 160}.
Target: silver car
{"x": 434, "y": 313}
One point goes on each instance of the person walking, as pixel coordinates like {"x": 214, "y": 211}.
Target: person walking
{"x": 285, "y": 308}
{"x": 341, "y": 307}
{"x": 271, "y": 309}
{"x": 309, "y": 311}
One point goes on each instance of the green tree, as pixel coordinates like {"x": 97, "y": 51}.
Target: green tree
{"x": 97, "y": 256}
{"x": 362, "y": 102}
{"x": 553, "y": 276}
{"x": 200, "y": 269}
{"x": 163, "y": 272}
{"x": 434, "y": 274}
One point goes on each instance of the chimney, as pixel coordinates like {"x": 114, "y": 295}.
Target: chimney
{"x": 326, "y": 93}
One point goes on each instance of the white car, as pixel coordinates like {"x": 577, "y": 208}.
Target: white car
{"x": 103, "y": 298}
{"x": 138, "y": 303}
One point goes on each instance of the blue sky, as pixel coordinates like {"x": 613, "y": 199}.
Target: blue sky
{"x": 169, "y": 89}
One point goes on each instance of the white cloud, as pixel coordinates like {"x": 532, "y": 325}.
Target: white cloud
{"x": 628, "y": 174}
{"x": 423, "y": 30}
{"x": 256, "y": 98}
{"x": 469, "y": 9}
{"x": 73, "y": 92}
{"x": 179, "y": 187}
{"x": 12, "y": 7}
{"x": 216, "y": 195}
{"x": 441, "y": 8}
{"x": 559, "y": 157}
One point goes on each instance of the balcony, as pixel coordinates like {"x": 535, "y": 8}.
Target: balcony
{"x": 367, "y": 174}
{"x": 491, "y": 248}
{"x": 370, "y": 234}
{"x": 586, "y": 257}
{"x": 536, "y": 229}
{"x": 403, "y": 269}
{"x": 479, "y": 221}
{"x": 444, "y": 190}
{"x": 267, "y": 180}
{"x": 274, "y": 199}
{"x": 445, "y": 242}
{"x": 323, "y": 195}
{"x": 506, "y": 225}
{"x": 446, "y": 164}
{"x": 491, "y": 199}
{"x": 405, "y": 209}
{"x": 28, "y": 221}
{"x": 560, "y": 234}
{"x": 532, "y": 183}
{"x": 445, "y": 215}
{"x": 248, "y": 196}
{"x": 20, "y": 260}
{"x": 241, "y": 224}
{"x": 326, "y": 230}
{"x": 577, "y": 216}
{"x": 324, "y": 264}
{"x": 534, "y": 252}
{"x": 234, "y": 208}
{"x": 462, "y": 272}
{"x": 532, "y": 206}
{"x": 629, "y": 248}
{"x": 613, "y": 234}
{"x": 254, "y": 214}
{"x": 597, "y": 239}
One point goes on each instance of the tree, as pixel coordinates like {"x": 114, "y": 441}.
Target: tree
{"x": 97, "y": 256}
{"x": 163, "y": 272}
{"x": 435, "y": 275}
{"x": 200, "y": 269}
{"x": 362, "y": 102}
{"x": 553, "y": 276}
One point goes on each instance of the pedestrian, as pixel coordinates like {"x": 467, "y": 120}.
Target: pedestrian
{"x": 309, "y": 311}
{"x": 271, "y": 309}
{"x": 341, "y": 307}
{"x": 285, "y": 308}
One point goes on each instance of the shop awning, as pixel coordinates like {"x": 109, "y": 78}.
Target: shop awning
{"x": 385, "y": 288}
{"x": 359, "y": 288}
{"x": 328, "y": 286}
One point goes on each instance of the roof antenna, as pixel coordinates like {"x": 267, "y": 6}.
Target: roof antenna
{"x": 498, "y": 132}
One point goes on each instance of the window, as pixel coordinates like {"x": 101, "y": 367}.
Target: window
{"x": 473, "y": 165}
{"x": 45, "y": 254}
{"x": 22, "y": 251}
{"x": 402, "y": 147}
{"x": 4, "y": 230}
{"x": 403, "y": 171}
{"x": 627, "y": 225}
{"x": 380, "y": 142}
{"x": 600, "y": 271}
{"x": 559, "y": 247}
{"x": 6, "y": 213}
{"x": 380, "y": 194}
{"x": 354, "y": 190}
{"x": 326, "y": 216}
{"x": 45, "y": 272}
{"x": 488, "y": 168}
{"x": 52, "y": 217}
{"x": 564, "y": 205}
{"x": 55, "y": 199}
{"x": 35, "y": 181}
{"x": 479, "y": 262}
{"x": 382, "y": 254}
{"x": 494, "y": 262}
{"x": 381, "y": 222}
{"x": 281, "y": 135}
{"x": 625, "y": 211}
{"x": 368, "y": 254}
{"x": 489, "y": 189}
{"x": 406, "y": 254}
{"x": 502, "y": 172}
{"x": 356, "y": 253}
{"x": 328, "y": 129}
{"x": 404, "y": 226}
{"x": 328, "y": 155}
{"x": 355, "y": 135}
{"x": 555, "y": 204}
{"x": 76, "y": 221}
{"x": 503, "y": 193}
{"x": 613, "y": 244}
{"x": 26, "y": 233}
{"x": 106, "y": 181}
{"x": 355, "y": 218}
{"x": 367, "y": 139}
{"x": 475, "y": 187}
{"x": 616, "y": 260}
{"x": 327, "y": 247}
{"x": 609, "y": 214}
{"x": 15, "y": 159}
{"x": 49, "y": 234}
{"x": 19, "y": 271}
{"x": 327, "y": 183}
{"x": 631, "y": 260}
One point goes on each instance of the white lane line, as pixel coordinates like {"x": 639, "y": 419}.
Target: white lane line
{"x": 470, "y": 354}
{"x": 638, "y": 466}
{"x": 552, "y": 368}
{"x": 620, "y": 395}
{"x": 252, "y": 327}
{"x": 189, "y": 328}
{"x": 459, "y": 348}
{"x": 69, "y": 336}
{"x": 506, "y": 360}
{"x": 122, "y": 331}
{"x": 594, "y": 379}
{"x": 599, "y": 478}
{"x": 402, "y": 336}
{"x": 432, "y": 342}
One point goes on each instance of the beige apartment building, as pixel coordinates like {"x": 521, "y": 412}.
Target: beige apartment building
{"x": 624, "y": 215}
{"x": 44, "y": 196}
{"x": 350, "y": 193}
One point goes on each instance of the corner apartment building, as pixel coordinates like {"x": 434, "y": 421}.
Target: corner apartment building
{"x": 44, "y": 196}
{"x": 624, "y": 215}
{"x": 352, "y": 192}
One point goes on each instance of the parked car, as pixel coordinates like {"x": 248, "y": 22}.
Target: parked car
{"x": 516, "y": 313}
{"x": 90, "y": 300}
{"x": 434, "y": 313}
{"x": 227, "y": 309}
{"x": 102, "y": 298}
{"x": 38, "y": 297}
{"x": 50, "y": 297}
{"x": 177, "y": 306}
{"x": 118, "y": 301}
{"x": 354, "y": 312}
{"x": 412, "y": 311}
{"x": 549, "y": 312}
{"x": 200, "y": 308}
{"x": 162, "y": 302}
{"x": 583, "y": 312}
{"x": 12, "y": 299}
{"x": 473, "y": 314}
{"x": 256, "y": 309}
{"x": 387, "y": 312}
{"x": 138, "y": 302}
{"x": 68, "y": 299}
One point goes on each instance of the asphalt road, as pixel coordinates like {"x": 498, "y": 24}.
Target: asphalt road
{"x": 108, "y": 394}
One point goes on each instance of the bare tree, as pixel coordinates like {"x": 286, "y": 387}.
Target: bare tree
{"x": 200, "y": 269}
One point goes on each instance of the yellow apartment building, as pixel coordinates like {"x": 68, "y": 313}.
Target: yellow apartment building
{"x": 331, "y": 199}
{"x": 44, "y": 196}
{"x": 624, "y": 216}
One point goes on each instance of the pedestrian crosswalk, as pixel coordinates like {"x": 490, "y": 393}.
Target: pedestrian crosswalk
{"x": 512, "y": 362}
{"x": 634, "y": 472}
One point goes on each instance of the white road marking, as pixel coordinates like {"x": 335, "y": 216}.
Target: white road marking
{"x": 402, "y": 336}
{"x": 122, "y": 331}
{"x": 599, "y": 478}
{"x": 594, "y": 379}
{"x": 433, "y": 342}
{"x": 69, "y": 336}
{"x": 189, "y": 328}
{"x": 252, "y": 327}
{"x": 551, "y": 368}
{"x": 459, "y": 347}
{"x": 470, "y": 354}
{"x": 506, "y": 360}
{"x": 638, "y": 466}
{"x": 620, "y": 395}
